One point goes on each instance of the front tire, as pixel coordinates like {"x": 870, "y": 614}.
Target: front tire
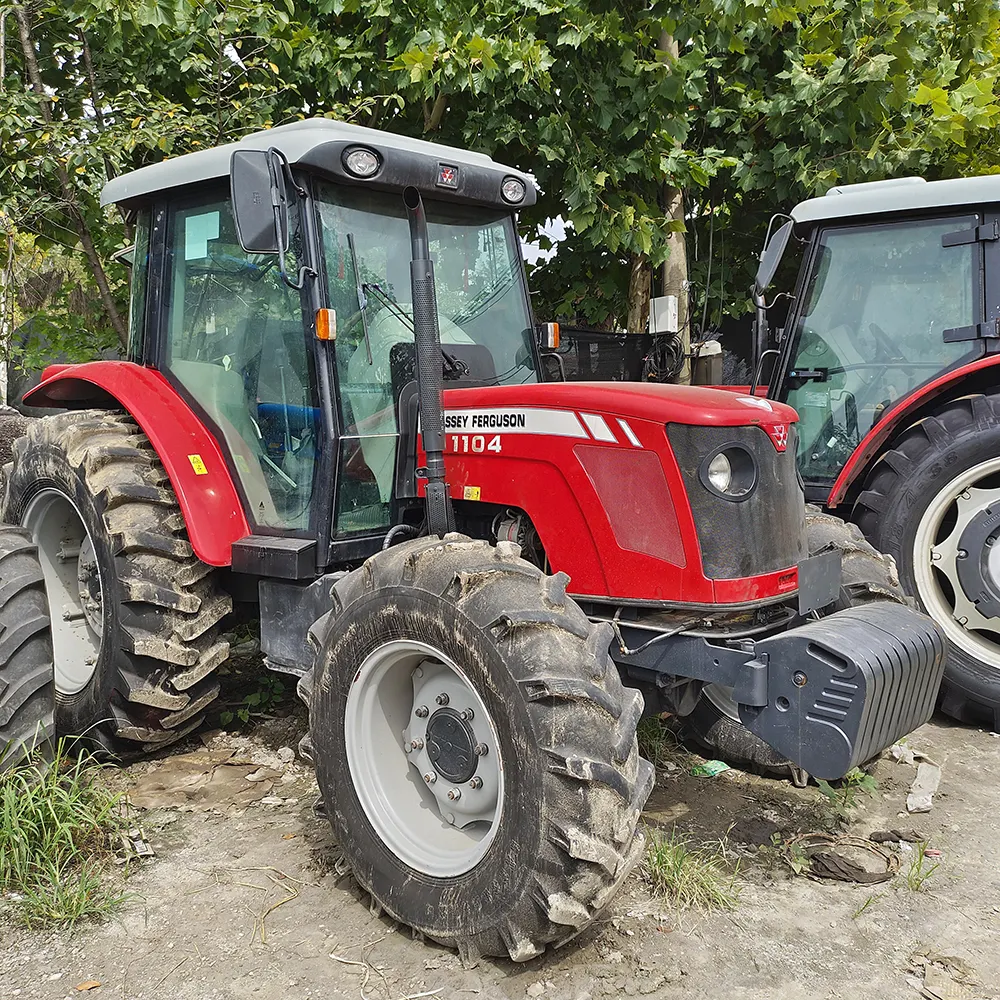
{"x": 503, "y": 692}
{"x": 134, "y": 613}
{"x": 867, "y": 576}
{"x": 931, "y": 502}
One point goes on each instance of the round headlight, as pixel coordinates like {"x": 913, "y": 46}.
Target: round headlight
{"x": 730, "y": 472}
{"x": 362, "y": 162}
{"x": 512, "y": 190}
{"x": 720, "y": 472}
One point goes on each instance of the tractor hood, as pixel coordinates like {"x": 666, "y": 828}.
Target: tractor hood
{"x": 665, "y": 404}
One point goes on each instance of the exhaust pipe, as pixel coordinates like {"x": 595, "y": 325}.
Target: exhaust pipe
{"x": 430, "y": 383}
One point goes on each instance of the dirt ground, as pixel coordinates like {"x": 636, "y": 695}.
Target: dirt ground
{"x": 205, "y": 921}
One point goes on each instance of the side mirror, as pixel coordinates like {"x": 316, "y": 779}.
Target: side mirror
{"x": 260, "y": 200}
{"x": 548, "y": 336}
{"x": 770, "y": 257}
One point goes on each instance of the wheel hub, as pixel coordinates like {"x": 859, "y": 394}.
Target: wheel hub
{"x": 451, "y": 745}
{"x": 967, "y": 556}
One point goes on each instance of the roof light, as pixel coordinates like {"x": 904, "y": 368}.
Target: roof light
{"x": 362, "y": 162}
{"x": 512, "y": 190}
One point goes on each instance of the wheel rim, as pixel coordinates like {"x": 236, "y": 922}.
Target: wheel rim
{"x": 950, "y": 519}
{"x": 424, "y": 757}
{"x": 72, "y": 586}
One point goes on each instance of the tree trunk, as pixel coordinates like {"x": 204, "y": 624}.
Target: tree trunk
{"x": 675, "y": 267}
{"x": 65, "y": 184}
{"x": 675, "y": 277}
{"x": 639, "y": 279}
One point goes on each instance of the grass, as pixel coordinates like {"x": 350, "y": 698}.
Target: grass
{"x": 690, "y": 877}
{"x": 659, "y": 745}
{"x": 843, "y": 800}
{"x": 921, "y": 868}
{"x": 58, "y": 829}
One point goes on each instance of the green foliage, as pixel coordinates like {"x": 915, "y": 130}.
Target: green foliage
{"x": 267, "y": 694}
{"x": 844, "y": 798}
{"x": 690, "y": 877}
{"x": 57, "y": 828}
{"x": 921, "y": 868}
{"x": 745, "y": 106}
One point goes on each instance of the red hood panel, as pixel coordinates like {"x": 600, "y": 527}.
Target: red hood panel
{"x": 681, "y": 404}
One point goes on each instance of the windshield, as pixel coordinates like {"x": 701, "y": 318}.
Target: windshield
{"x": 875, "y": 309}
{"x": 483, "y": 316}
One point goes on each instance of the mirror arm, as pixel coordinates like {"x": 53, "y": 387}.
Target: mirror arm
{"x": 277, "y": 159}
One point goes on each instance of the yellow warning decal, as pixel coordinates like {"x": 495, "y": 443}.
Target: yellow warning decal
{"x": 198, "y": 465}
{"x": 472, "y": 493}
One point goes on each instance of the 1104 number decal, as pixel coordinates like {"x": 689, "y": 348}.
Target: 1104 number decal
{"x": 463, "y": 443}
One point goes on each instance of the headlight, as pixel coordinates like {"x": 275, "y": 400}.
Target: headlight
{"x": 730, "y": 472}
{"x": 362, "y": 162}
{"x": 720, "y": 472}
{"x": 512, "y": 190}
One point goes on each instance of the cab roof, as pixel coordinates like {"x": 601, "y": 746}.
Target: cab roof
{"x": 901, "y": 195}
{"x": 296, "y": 141}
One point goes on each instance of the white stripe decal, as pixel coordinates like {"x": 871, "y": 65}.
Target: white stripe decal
{"x": 598, "y": 427}
{"x": 629, "y": 433}
{"x": 513, "y": 420}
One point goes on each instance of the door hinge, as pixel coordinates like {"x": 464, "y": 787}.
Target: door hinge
{"x": 981, "y": 234}
{"x": 980, "y": 331}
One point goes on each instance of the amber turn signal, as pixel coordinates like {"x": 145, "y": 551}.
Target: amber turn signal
{"x": 326, "y": 324}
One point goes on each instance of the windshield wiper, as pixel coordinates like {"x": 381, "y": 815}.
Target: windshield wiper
{"x": 453, "y": 367}
{"x": 362, "y": 298}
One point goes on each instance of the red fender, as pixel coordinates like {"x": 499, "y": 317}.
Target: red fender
{"x": 213, "y": 511}
{"x": 870, "y": 446}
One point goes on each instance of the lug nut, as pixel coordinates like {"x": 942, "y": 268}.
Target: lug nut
{"x": 482, "y": 749}
{"x": 476, "y": 782}
{"x": 421, "y": 712}
{"x": 468, "y": 715}
{"x": 417, "y": 744}
{"x": 799, "y": 678}
{"x": 442, "y": 699}
{"x": 430, "y": 777}
{"x": 454, "y": 794}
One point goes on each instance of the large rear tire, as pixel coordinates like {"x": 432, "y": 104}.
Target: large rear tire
{"x": 134, "y": 613}
{"x": 933, "y": 501}
{"x": 27, "y": 728}
{"x": 475, "y": 747}
{"x": 867, "y": 576}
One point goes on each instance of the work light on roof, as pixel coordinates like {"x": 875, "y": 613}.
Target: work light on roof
{"x": 362, "y": 162}
{"x": 512, "y": 190}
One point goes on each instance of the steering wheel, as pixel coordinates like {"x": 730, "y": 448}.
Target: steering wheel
{"x": 884, "y": 342}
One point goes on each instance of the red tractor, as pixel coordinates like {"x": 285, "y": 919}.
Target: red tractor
{"x": 332, "y": 410}
{"x": 890, "y": 353}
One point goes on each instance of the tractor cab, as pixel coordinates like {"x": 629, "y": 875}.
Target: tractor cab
{"x": 890, "y": 295}
{"x": 297, "y": 358}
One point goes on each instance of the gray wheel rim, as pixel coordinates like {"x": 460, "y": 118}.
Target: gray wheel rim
{"x": 960, "y": 618}
{"x": 722, "y": 698}
{"x": 72, "y": 586}
{"x": 411, "y": 719}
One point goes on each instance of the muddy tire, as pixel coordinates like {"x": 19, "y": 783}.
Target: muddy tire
{"x": 432, "y": 636}
{"x": 914, "y": 506}
{"x": 867, "y": 576}
{"x": 134, "y": 613}
{"x": 27, "y": 727}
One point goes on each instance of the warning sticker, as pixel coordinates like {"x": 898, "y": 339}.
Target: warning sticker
{"x": 471, "y": 493}
{"x": 198, "y": 465}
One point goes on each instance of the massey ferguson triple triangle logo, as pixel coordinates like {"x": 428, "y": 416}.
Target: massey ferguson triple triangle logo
{"x": 778, "y": 433}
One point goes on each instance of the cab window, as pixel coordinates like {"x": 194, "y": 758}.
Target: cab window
{"x": 235, "y": 341}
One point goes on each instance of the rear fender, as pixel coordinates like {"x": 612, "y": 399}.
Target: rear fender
{"x": 905, "y": 412}
{"x": 209, "y": 501}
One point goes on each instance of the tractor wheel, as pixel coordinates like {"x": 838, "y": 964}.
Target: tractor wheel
{"x": 867, "y": 576}
{"x": 474, "y": 746}
{"x": 26, "y": 724}
{"x": 134, "y": 613}
{"x": 933, "y": 502}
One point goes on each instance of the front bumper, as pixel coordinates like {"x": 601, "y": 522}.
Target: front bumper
{"x": 843, "y": 688}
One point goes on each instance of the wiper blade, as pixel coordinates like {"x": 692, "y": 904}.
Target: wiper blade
{"x": 362, "y": 298}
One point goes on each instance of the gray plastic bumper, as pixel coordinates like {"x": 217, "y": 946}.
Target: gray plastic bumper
{"x": 842, "y": 689}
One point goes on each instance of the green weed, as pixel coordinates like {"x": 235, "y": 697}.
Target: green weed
{"x": 659, "y": 745}
{"x": 266, "y": 696}
{"x": 843, "y": 799}
{"x": 57, "y": 834}
{"x": 921, "y": 868}
{"x": 690, "y": 877}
